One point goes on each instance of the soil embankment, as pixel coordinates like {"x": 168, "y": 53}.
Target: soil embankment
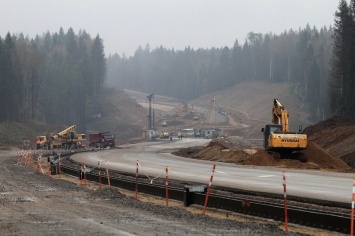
{"x": 324, "y": 141}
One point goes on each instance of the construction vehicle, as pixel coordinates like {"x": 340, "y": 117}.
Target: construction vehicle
{"x": 71, "y": 140}
{"x": 43, "y": 142}
{"x": 67, "y": 139}
{"x": 164, "y": 134}
{"x": 195, "y": 114}
{"x": 279, "y": 142}
{"x": 163, "y": 123}
{"x": 102, "y": 140}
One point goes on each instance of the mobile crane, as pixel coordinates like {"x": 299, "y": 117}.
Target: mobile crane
{"x": 279, "y": 142}
{"x": 67, "y": 138}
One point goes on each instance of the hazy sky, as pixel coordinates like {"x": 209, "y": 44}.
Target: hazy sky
{"x": 126, "y": 24}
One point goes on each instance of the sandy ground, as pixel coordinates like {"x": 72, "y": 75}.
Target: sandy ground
{"x": 33, "y": 203}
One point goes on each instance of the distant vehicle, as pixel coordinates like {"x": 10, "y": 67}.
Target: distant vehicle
{"x": 151, "y": 134}
{"x": 187, "y": 133}
{"x": 102, "y": 140}
{"x": 211, "y": 133}
{"x": 197, "y": 132}
{"x": 164, "y": 134}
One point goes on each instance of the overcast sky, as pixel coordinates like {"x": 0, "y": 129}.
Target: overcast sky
{"x": 126, "y": 24}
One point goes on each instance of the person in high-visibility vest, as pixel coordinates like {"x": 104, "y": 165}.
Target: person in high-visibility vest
{"x": 38, "y": 143}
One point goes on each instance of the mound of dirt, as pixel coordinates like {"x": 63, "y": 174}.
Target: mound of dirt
{"x": 336, "y": 136}
{"x": 332, "y": 123}
{"x": 189, "y": 151}
{"x": 324, "y": 159}
{"x": 217, "y": 150}
{"x": 219, "y": 143}
{"x": 260, "y": 158}
{"x": 216, "y": 153}
{"x": 317, "y": 159}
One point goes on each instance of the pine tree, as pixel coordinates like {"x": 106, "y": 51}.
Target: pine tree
{"x": 98, "y": 63}
{"x": 350, "y": 95}
{"x": 338, "y": 74}
{"x": 2, "y": 81}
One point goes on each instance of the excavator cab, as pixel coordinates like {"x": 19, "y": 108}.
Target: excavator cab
{"x": 284, "y": 144}
{"x": 268, "y": 130}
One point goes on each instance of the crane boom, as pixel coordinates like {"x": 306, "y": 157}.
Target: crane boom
{"x": 67, "y": 130}
{"x": 71, "y": 128}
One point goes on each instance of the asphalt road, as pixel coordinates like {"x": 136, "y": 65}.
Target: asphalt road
{"x": 153, "y": 157}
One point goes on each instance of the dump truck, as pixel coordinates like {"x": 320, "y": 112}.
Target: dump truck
{"x": 279, "y": 141}
{"x": 102, "y": 140}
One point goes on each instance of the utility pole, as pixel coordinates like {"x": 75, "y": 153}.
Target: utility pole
{"x": 150, "y": 117}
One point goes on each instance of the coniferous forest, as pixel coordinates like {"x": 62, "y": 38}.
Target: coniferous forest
{"x": 58, "y": 78}
{"x": 54, "y": 78}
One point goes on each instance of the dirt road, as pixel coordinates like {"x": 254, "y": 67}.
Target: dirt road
{"x": 36, "y": 204}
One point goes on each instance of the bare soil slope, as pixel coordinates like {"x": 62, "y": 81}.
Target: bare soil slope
{"x": 117, "y": 112}
{"x": 250, "y": 103}
{"x": 336, "y": 136}
{"x": 121, "y": 115}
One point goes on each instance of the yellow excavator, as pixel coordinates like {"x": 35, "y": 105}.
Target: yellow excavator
{"x": 279, "y": 142}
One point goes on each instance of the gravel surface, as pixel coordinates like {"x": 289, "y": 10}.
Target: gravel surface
{"x": 36, "y": 204}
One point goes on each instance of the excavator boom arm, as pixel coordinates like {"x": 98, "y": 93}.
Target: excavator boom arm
{"x": 280, "y": 115}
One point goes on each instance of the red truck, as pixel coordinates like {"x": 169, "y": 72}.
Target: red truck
{"x": 102, "y": 140}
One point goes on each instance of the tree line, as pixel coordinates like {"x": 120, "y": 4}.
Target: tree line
{"x": 59, "y": 77}
{"x": 342, "y": 72}
{"x": 54, "y": 78}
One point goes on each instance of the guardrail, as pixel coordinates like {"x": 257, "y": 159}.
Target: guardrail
{"x": 337, "y": 222}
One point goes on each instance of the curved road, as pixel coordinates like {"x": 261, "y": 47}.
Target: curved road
{"x": 153, "y": 157}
